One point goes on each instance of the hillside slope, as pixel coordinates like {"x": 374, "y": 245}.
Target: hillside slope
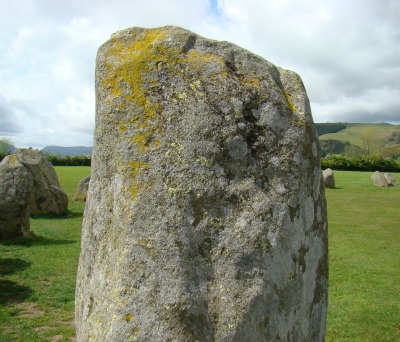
{"x": 380, "y": 138}
{"x": 375, "y": 136}
{"x": 68, "y": 151}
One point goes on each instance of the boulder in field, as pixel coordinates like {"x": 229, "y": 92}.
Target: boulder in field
{"x": 379, "y": 179}
{"x": 329, "y": 178}
{"x": 47, "y": 196}
{"x": 15, "y": 187}
{"x": 390, "y": 179}
{"x": 206, "y": 213}
{"x": 81, "y": 192}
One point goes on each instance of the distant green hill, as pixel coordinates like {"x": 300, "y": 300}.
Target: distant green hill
{"x": 382, "y": 139}
{"x": 68, "y": 151}
{"x": 326, "y": 128}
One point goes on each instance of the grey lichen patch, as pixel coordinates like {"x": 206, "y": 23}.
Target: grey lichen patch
{"x": 237, "y": 148}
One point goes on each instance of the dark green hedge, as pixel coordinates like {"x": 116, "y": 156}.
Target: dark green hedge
{"x": 326, "y": 128}
{"x": 363, "y": 163}
{"x": 335, "y": 162}
{"x": 59, "y": 160}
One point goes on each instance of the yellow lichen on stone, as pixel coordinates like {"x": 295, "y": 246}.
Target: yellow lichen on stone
{"x": 137, "y": 184}
{"x": 129, "y": 67}
{"x": 289, "y": 101}
{"x": 207, "y": 58}
{"x": 12, "y": 160}
{"x": 204, "y": 161}
{"x": 298, "y": 115}
{"x": 252, "y": 82}
{"x": 197, "y": 61}
{"x": 128, "y": 64}
{"x": 156, "y": 143}
{"x": 133, "y": 338}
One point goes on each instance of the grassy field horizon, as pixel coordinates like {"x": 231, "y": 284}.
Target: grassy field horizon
{"x": 37, "y": 278}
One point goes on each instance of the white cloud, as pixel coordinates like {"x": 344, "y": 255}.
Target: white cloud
{"x": 345, "y": 51}
{"x": 8, "y": 124}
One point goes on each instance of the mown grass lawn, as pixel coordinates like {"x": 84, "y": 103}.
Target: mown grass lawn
{"x": 37, "y": 279}
{"x": 364, "y": 259}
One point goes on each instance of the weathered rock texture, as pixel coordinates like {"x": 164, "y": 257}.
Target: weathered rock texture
{"x": 15, "y": 187}
{"x": 390, "y": 179}
{"x": 329, "y": 178}
{"x": 379, "y": 179}
{"x": 81, "y": 192}
{"x": 47, "y": 196}
{"x": 206, "y": 214}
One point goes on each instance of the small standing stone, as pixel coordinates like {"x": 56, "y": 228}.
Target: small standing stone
{"x": 81, "y": 192}
{"x": 15, "y": 187}
{"x": 390, "y": 179}
{"x": 47, "y": 196}
{"x": 329, "y": 179}
{"x": 379, "y": 179}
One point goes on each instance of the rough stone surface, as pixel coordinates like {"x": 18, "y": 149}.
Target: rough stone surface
{"x": 390, "y": 179}
{"x": 206, "y": 213}
{"x": 329, "y": 179}
{"x": 47, "y": 196}
{"x": 15, "y": 187}
{"x": 379, "y": 179}
{"x": 81, "y": 192}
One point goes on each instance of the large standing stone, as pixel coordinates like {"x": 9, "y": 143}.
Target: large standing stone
{"x": 81, "y": 192}
{"x": 47, "y": 196}
{"x": 379, "y": 179}
{"x": 329, "y": 178}
{"x": 206, "y": 213}
{"x": 15, "y": 187}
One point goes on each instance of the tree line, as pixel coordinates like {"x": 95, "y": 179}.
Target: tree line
{"x": 335, "y": 161}
{"x": 360, "y": 163}
{"x": 60, "y": 160}
{"x": 6, "y": 149}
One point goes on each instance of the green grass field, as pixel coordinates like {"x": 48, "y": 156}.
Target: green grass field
{"x": 37, "y": 279}
{"x": 364, "y": 257}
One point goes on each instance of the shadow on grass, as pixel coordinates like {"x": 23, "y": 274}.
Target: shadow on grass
{"x": 10, "y": 291}
{"x": 11, "y": 265}
{"x": 66, "y": 216}
{"x": 35, "y": 241}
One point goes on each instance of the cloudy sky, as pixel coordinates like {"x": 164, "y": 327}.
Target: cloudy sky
{"x": 346, "y": 51}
